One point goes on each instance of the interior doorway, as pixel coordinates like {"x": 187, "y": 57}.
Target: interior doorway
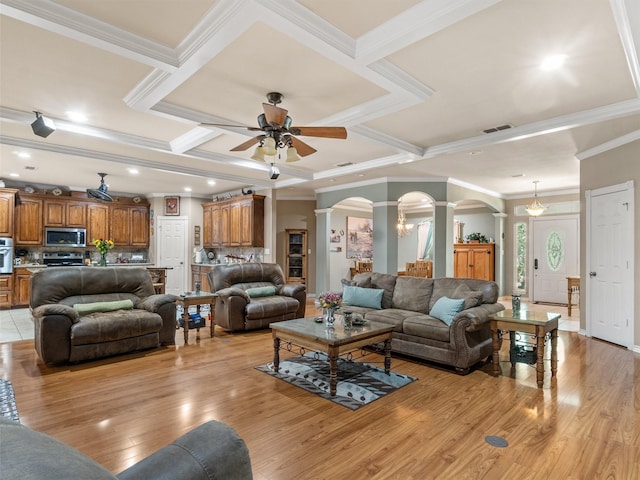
{"x": 555, "y": 255}
{"x": 610, "y": 281}
{"x": 173, "y": 251}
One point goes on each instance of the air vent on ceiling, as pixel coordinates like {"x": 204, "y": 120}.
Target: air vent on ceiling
{"x": 345, "y": 164}
{"x": 506, "y": 126}
{"x": 28, "y": 167}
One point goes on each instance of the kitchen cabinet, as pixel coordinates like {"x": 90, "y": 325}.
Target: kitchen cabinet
{"x": 296, "y": 267}
{"x": 6, "y": 288}
{"x": 22, "y": 287}
{"x": 97, "y": 222}
{"x": 129, "y": 225}
{"x": 234, "y": 222}
{"x": 474, "y": 260}
{"x": 7, "y": 211}
{"x": 28, "y": 221}
{"x": 65, "y": 213}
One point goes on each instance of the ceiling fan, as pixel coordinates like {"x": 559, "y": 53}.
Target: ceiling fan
{"x": 275, "y": 123}
{"x": 100, "y": 193}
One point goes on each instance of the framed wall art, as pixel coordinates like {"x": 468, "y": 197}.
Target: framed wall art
{"x": 359, "y": 237}
{"x": 172, "y": 205}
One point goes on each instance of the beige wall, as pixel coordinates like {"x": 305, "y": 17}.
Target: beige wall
{"x": 611, "y": 168}
{"x": 297, "y": 214}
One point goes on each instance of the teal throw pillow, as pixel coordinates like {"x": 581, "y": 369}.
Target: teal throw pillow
{"x": 87, "y": 308}
{"x": 256, "y": 292}
{"x": 446, "y": 308}
{"x": 362, "y": 297}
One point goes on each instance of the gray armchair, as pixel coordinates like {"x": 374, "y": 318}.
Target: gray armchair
{"x": 253, "y": 295}
{"x": 212, "y": 450}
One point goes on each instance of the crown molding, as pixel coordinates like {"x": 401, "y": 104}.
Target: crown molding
{"x": 622, "y": 11}
{"x": 610, "y": 145}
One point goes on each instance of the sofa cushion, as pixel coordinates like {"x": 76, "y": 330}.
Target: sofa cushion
{"x": 390, "y": 316}
{"x": 257, "y": 292}
{"x": 362, "y": 297}
{"x": 387, "y": 283}
{"x": 102, "y": 327}
{"x": 266, "y": 307}
{"x": 426, "y": 326}
{"x": 472, "y": 298}
{"x": 412, "y": 293}
{"x": 446, "y": 308}
{"x": 87, "y": 308}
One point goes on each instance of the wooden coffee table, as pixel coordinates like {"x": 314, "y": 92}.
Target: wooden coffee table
{"x": 306, "y": 333}
{"x": 535, "y": 323}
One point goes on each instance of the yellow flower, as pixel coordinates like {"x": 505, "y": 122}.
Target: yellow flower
{"x": 103, "y": 245}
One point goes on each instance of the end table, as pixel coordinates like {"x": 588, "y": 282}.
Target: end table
{"x": 197, "y": 299}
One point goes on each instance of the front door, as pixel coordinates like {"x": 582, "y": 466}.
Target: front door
{"x": 609, "y": 269}
{"x": 173, "y": 250}
{"x": 556, "y": 255}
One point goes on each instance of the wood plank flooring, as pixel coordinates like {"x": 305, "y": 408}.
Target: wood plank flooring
{"x": 583, "y": 425}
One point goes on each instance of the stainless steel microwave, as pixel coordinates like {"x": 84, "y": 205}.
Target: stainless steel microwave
{"x": 65, "y": 237}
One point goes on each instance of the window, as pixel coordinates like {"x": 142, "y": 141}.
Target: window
{"x": 520, "y": 267}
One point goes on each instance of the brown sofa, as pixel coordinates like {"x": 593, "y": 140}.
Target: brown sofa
{"x": 67, "y": 334}
{"x": 236, "y": 310}
{"x": 406, "y": 303}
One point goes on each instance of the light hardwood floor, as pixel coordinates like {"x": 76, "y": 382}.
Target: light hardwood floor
{"x": 583, "y": 425}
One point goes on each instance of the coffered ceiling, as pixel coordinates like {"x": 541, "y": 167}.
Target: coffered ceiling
{"x": 415, "y": 83}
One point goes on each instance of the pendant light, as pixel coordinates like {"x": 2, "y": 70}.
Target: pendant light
{"x": 536, "y": 208}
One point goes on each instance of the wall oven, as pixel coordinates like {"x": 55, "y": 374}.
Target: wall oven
{"x": 6, "y": 255}
{"x": 65, "y": 237}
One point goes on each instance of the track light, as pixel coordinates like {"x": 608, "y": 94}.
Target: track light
{"x": 43, "y": 127}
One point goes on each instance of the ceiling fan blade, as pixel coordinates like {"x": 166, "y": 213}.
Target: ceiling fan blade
{"x": 243, "y": 127}
{"x": 275, "y": 115}
{"x": 247, "y": 144}
{"x": 326, "y": 132}
{"x": 302, "y": 148}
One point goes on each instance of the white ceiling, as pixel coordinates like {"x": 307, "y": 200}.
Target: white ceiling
{"x": 415, "y": 83}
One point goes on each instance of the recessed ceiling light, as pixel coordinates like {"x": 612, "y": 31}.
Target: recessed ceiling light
{"x": 22, "y": 154}
{"x": 475, "y": 152}
{"x": 14, "y": 174}
{"x": 361, "y": 174}
{"x": 133, "y": 171}
{"x": 77, "y": 117}
{"x": 211, "y": 182}
{"x": 552, "y": 62}
{"x": 187, "y": 189}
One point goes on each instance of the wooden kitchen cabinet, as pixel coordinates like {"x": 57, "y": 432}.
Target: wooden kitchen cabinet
{"x": 129, "y": 225}
{"x": 29, "y": 229}
{"x": 97, "y": 222}
{"x": 234, "y": 222}
{"x": 6, "y": 291}
{"x": 65, "y": 213}
{"x": 7, "y": 211}
{"x": 474, "y": 260}
{"x": 22, "y": 287}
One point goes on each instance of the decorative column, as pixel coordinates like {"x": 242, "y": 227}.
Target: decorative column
{"x": 385, "y": 237}
{"x": 323, "y": 231}
{"x": 443, "y": 239}
{"x": 498, "y": 235}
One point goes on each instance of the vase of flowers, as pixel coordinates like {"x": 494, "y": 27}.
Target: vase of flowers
{"x": 330, "y": 302}
{"x": 103, "y": 247}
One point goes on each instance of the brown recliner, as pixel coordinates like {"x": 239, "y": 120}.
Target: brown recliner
{"x": 236, "y": 310}
{"x": 63, "y": 335}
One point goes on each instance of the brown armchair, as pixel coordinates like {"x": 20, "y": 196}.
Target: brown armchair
{"x": 253, "y": 295}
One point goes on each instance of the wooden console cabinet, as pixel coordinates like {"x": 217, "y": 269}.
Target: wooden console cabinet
{"x": 234, "y": 222}
{"x": 474, "y": 260}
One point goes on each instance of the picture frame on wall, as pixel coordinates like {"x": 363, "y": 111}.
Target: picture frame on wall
{"x": 172, "y": 205}
{"x": 359, "y": 238}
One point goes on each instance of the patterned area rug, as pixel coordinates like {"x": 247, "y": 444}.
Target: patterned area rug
{"x": 8, "y": 407}
{"x": 358, "y": 383}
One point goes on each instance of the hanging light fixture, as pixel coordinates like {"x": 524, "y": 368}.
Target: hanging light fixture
{"x": 273, "y": 145}
{"x": 536, "y": 208}
{"x": 403, "y": 227}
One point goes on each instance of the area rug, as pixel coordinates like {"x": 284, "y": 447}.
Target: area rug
{"x": 358, "y": 383}
{"x": 8, "y": 407}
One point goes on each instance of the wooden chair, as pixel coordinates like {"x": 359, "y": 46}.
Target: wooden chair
{"x": 420, "y": 269}
{"x": 364, "y": 267}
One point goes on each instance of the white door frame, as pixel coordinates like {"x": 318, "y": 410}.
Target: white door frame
{"x": 630, "y": 280}
{"x": 187, "y": 264}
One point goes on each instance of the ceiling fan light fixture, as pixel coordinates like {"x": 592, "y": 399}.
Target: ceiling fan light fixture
{"x": 269, "y": 146}
{"x": 292, "y": 155}
{"x": 258, "y": 156}
{"x": 535, "y": 209}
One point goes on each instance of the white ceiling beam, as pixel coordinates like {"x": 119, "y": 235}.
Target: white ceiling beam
{"x": 623, "y": 13}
